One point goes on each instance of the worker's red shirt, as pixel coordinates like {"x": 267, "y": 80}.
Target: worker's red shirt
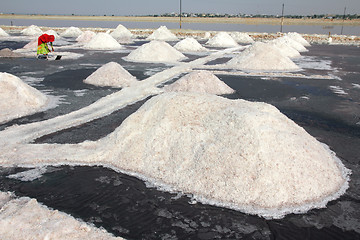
{"x": 45, "y": 39}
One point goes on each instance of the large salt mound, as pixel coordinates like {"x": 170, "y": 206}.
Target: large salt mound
{"x": 201, "y": 82}
{"x": 297, "y": 37}
{"x": 222, "y": 39}
{"x": 111, "y": 74}
{"x": 292, "y": 43}
{"x": 18, "y": 99}
{"x": 85, "y": 37}
{"x": 3, "y": 33}
{"x": 155, "y": 51}
{"x": 241, "y": 37}
{"x": 32, "y": 31}
{"x": 121, "y": 32}
{"x": 189, "y": 45}
{"x": 285, "y": 49}
{"x": 162, "y": 34}
{"x": 25, "y": 218}
{"x": 234, "y": 153}
{"x": 72, "y": 32}
{"x": 262, "y": 56}
{"x": 103, "y": 41}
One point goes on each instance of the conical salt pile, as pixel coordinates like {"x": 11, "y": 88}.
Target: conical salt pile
{"x": 85, "y": 37}
{"x": 103, "y": 41}
{"x": 32, "y": 31}
{"x": 112, "y": 75}
{"x": 6, "y": 52}
{"x": 155, "y": 51}
{"x": 189, "y": 45}
{"x": 72, "y": 32}
{"x": 3, "y": 33}
{"x": 162, "y": 34}
{"x": 201, "y": 82}
{"x": 285, "y": 49}
{"x": 292, "y": 43}
{"x": 262, "y": 56}
{"x": 121, "y": 32}
{"x": 234, "y": 153}
{"x": 18, "y": 99}
{"x": 222, "y": 39}
{"x": 241, "y": 37}
{"x": 297, "y": 37}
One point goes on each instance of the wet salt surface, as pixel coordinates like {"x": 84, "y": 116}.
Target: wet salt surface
{"x": 127, "y": 207}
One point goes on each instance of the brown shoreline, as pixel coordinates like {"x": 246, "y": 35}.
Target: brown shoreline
{"x": 237, "y": 20}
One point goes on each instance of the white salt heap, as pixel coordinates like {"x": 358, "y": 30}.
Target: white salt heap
{"x": 85, "y": 37}
{"x": 32, "y": 31}
{"x": 189, "y": 45}
{"x": 121, "y": 32}
{"x": 8, "y": 53}
{"x": 264, "y": 57}
{"x": 72, "y": 32}
{"x": 32, "y": 44}
{"x": 162, "y": 34}
{"x": 285, "y": 49}
{"x": 241, "y": 37}
{"x": 155, "y": 51}
{"x": 3, "y": 33}
{"x": 25, "y": 218}
{"x": 297, "y": 37}
{"x": 292, "y": 43}
{"x": 17, "y": 99}
{"x": 52, "y": 32}
{"x": 234, "y": 153}
{"x": 222, "y": 39}
{"x": 111, "y": 74}
{"x": 201, "y": 82}
{"x": 103, "y": 41}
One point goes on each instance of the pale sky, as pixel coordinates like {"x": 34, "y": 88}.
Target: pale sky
{"x": 144, "y": 7}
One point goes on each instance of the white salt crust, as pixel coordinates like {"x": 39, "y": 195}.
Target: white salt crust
{"x": 155, "y": 51}
{"x": 17, "y": 99}
{"x": 201, "y": 82}
{"x": 112, "y": 75}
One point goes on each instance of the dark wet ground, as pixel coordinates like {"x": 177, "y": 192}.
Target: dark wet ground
{"x": 128, "y": 207}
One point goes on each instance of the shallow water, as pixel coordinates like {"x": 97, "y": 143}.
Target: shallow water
{"x": 129, "y": 207}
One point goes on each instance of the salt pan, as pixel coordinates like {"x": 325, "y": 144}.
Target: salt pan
{"x": 103, "y": 41}
{"x": 32, "y": 31}
{"x": 201, "y": 82}
{"x": 234, "y": 153}
{"x": 241, "y": 37}
{"x": 222, "y": 39}
{"x": 71, "y": 32}
{"x": 189, "y": 45}
{"x": 162, "y": 34}
{"x": 25, "y": 218}
{"x": 18, "y": 99}
{"x": 3, "y": 33}
{"x": 155, "y": 51}
{"x": 111, "y": 74}
{"x": 262, "y": 56}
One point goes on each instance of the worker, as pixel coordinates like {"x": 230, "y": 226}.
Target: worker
{"x": 43, "y": 48}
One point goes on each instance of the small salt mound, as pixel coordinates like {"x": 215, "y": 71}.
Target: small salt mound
{"x": 6, "y": 52}
{"x": 285, "y": 49}
{"x": 25, "y": 218}
{"x": 52, "y": 32}
{"x": 241, "y": 37}
{"x": 201, "y": 82}
{"x": 32, "y": 31}
{"x": 72, "y": 32}
{"x": 243, "y": 155}
{"x": 3, "y": 33}
{"x": 111, "y": 74}
{"x": 18, "y": 99}
{"x": 121, "y": 32}
{"x": 262, "y": 56}
{"x": 85, "y": 37}
{"x": 292, "y": 43}
{"x": 222, "y": 39}
{"x": 207, "y": 35}
{"x": 297, "y": 37}
{"x": 155, "y": 51}
{"x": 189, "y": 45}
{"x": 103, "y": 41}
{"x": 32, "y": 44}
{"x": 162, "y": 34}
